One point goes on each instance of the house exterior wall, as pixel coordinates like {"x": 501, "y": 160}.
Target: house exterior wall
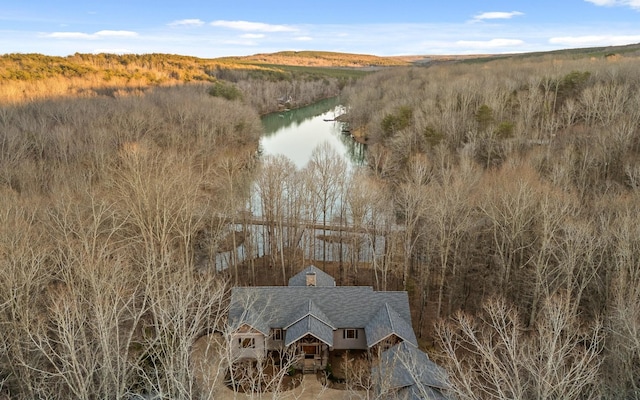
{"x": 340, "y": 343}
{"x": 248, "y": 345}
{"x": 275, "y": 344}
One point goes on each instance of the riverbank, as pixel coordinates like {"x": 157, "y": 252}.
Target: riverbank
{"x": 297, "y": 132}
{"x": 283, "y": 108}
{"x": 360, "y": 136}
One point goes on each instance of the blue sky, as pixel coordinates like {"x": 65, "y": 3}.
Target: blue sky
{"x": 243, "y": 27}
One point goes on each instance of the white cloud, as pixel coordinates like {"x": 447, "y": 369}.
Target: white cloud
{"x": 380, "y": 39}
{"x": 91, "y": 36}
{"x": 493, "y": 43}
{"x": 70, "y": 35}
{"x": 595, "y": 40}
{"x": 116, "y": 34}
{"x": 496, "y": 15}
{"x": 187, "y": 22}
{"x": 616, "y": 3}
{"x": 252, "y": 26}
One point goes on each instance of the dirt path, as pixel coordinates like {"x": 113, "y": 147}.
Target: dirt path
{"x": 312, "y": 389}
{"x": 209, "y": 376}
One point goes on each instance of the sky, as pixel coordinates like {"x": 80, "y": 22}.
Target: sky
{"x": 213, "y": 28}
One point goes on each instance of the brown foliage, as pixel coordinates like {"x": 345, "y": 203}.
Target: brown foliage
{"x": 546, "y": 157}
{"x": 104, "y": 287}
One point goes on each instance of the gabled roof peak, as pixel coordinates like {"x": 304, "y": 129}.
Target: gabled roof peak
{"x": 312, "y": 276}
{"x": 388, "y": 322}
{"x": 310, "y": 309}
{"x": 309, "y": 325}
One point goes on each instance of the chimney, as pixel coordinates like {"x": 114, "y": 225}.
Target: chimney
{"x": 311, "y": 278}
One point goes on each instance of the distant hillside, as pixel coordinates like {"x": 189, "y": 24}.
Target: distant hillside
{"x": 151, "y": 68}
{"x": 320, "y": 59}
{"x": 29, "y": 76}
{"x": 631, "y": 50}
{"x": 159, "y": 68}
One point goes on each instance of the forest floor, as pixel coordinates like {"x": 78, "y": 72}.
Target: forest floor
{"x": 265, "y": 272}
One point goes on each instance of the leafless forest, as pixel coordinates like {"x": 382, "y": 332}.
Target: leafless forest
{"x": 516, "y": 183}
{"x": 505, "y": 193}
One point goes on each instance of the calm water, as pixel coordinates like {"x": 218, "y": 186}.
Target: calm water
{"x": 296, "y": 133}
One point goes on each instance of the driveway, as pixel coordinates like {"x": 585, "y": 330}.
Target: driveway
{"x": 311, "y": 388}
{"x": 208, "y": 374}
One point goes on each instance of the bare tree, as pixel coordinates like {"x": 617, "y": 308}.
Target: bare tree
{"x": 449, "y": 218}
{"x": 161, "y": 205}
{"x": 370, "y": 208}
{"x": 23, "y": 274}
{"x": 277, "y": 189}
{"x": 511, "y": 212}
{"x": 359, "y": 202}
{"x": 555, "y": 210}
{"x": 411, "y": 201}
{"x": 230, "y": 179}
{"x": 493, "y": 357}
{"x": 327, "y": 171}
{"x": 183, "y": 305}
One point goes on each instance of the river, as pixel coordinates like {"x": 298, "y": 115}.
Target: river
{"x": 295, "y": 133}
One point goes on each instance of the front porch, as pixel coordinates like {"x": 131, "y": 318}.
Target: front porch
{"x": 313, "y": 354}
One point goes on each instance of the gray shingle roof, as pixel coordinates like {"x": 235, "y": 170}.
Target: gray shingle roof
{"x": 426, "y": 392}
{"x": 319, "y": 310}
{"x": 252, "y": 309}
{"x": 342, "y": 306}
{"x": 322, "y": 278}
{"x": 407, "y": 367}
{"x": 310, "y": 309}
{"x": 387, "y": 322}
{"x": 420, "y": 393}
{"x": 309, "y": 325}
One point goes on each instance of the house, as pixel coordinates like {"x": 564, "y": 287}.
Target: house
{"x": 315, "y": 317}
{"x": 405, "y": 372}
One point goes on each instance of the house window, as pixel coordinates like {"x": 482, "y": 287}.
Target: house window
{"x": 247, "y": 343}
{"x": 350, "y": 334}
{"x": 277, "y": 334}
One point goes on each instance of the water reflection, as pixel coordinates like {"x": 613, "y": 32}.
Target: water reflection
{"x": 295, "y": 133}
{"x": 347, "y": 249}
